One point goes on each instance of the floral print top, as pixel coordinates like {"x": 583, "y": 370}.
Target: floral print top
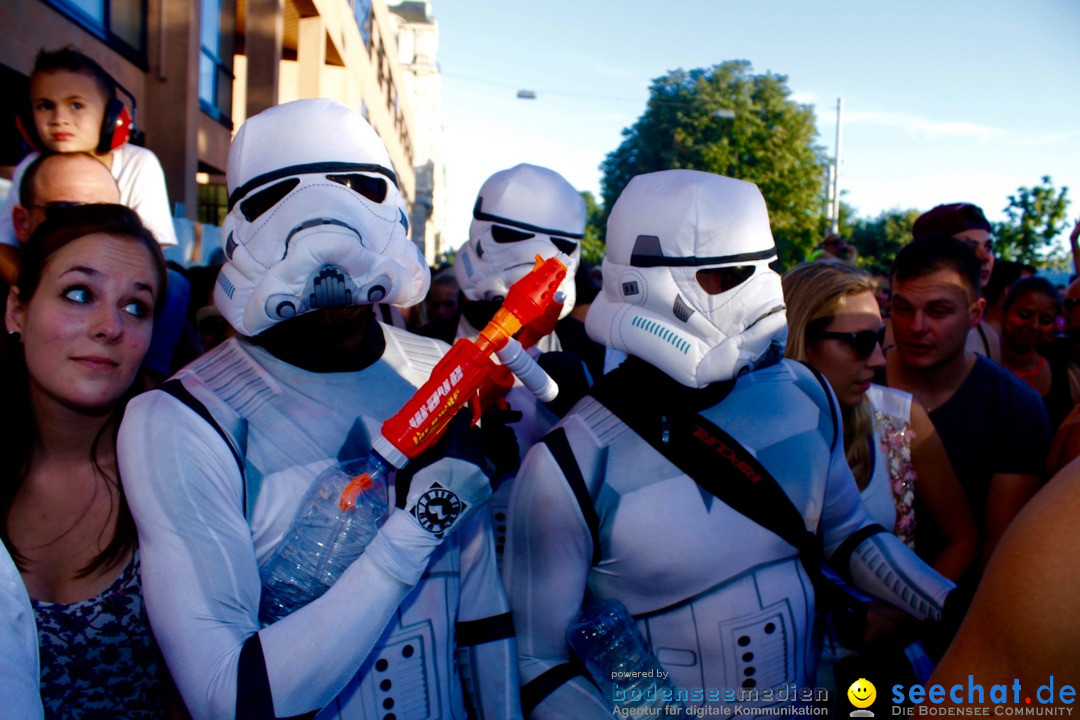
{"x": 893, "y": 433}
{"x": 98, "y": 656}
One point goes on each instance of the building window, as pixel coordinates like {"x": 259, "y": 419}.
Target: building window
{"x": 121, "y": 24}
{"x": 215, "y": 60}
{"x": 362, "y": 12}
{"x": 213, "y": 203}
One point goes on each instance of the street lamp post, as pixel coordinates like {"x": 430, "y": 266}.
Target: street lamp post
{"x": 834, "y": 226}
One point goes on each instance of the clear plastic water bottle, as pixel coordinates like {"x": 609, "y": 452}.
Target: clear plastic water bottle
{"x": 606, "y": 639}
{"x": 325, "y": 537}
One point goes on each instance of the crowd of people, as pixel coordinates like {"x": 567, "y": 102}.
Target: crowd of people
{"x": 790, "y": 480}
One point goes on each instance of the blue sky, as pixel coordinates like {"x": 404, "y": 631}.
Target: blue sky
{"x": 943, "y": 101}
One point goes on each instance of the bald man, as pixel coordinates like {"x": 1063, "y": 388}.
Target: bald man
{"x": 50, "y": 179}
{"x": 63, "y": 177}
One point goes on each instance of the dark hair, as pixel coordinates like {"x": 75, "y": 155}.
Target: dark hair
{"x": 18, "y": 428}
{"x": 1029, "y": 286}
{"x": 1002, "y": 277}
{"x": 444, "y": 277}
{"x": 950, "y": 220}
{"x": 932, "y": 253}
{"x": 27, "y": 196}
{"x": 70, "y": 59}
{"x": 64, "y": 225}
{"x": 26, "y": 183}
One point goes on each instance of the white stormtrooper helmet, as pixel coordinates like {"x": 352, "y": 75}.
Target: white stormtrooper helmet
{"x": 315, "y": 219}
{"x": 687, "y": 282}
{"x": 520, "y": 213}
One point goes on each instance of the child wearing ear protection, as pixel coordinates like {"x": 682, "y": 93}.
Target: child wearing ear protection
{"x": 74, "y": 108}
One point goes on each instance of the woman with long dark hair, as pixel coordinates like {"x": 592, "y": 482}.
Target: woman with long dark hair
{"x": 78, "y": 321}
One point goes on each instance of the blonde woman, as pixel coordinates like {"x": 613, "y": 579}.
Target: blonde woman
{"x": 895, "y": 454}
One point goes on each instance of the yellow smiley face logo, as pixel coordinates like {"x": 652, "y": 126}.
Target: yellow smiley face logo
{"x": 862, "y": 693}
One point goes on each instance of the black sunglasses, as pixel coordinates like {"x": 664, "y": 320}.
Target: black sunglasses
{"x": 862, "y": 342}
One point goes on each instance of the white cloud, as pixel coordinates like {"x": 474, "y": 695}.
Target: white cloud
{"x": 916, "y": 125}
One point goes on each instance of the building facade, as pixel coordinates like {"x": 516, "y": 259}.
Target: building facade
{"x": 417, "y": 35}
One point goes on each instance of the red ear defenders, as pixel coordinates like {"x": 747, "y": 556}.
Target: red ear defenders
{"x": 117, "y": 127}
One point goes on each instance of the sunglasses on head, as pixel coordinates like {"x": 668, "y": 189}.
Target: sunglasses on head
{"x": 862, "y": 342}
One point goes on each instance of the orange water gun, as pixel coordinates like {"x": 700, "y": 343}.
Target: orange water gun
{"x": 494, "y": 390}
{"x": 464, "y": 370}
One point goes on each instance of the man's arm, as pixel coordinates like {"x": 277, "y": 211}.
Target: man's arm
{"x": 1074, "y": 246}
{"x": 1023, "y": 622}
{"x": 1018, "y": 448}
{"x": 1008, "y": 494}
{"x": 546, "y": 565}
{"x": 201, "y": 580}
{"x": 943, "y": 497}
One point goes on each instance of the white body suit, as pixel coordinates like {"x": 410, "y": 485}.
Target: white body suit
{"x": 204, "y": 529}
{"x": 723, "y": 602}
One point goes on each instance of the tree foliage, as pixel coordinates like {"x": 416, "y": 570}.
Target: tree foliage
{"x": 878, "y": 239}
{"x": 769, "y": 141}
{"x": 592, "y": 245}
{"x": 1034, "y": 218}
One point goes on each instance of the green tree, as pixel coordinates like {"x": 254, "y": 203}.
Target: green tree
{"x": 1034, "y": 218}
{"x": 878, "y": 239}
{"x": 592, "y": 245}
{"x": 687, "y": 123}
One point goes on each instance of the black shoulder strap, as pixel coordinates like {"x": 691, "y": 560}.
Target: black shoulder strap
{"x": 564, "y": 456}
{"x": 254, "y": 700}
{"x": 536, "y": 690}
{"x": 176, "y": 388}
{"x": 985, "y": 340}
{"x": 717, "y": 462}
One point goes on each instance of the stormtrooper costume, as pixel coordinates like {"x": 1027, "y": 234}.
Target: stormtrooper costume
{"x": 723, "y": 602}
{"x": 315, "y": 222}
{"x": 520, "y": 213}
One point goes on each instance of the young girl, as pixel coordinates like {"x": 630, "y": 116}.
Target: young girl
{"x": 1032, "y": 307}
{"x": 78, "y": 322}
